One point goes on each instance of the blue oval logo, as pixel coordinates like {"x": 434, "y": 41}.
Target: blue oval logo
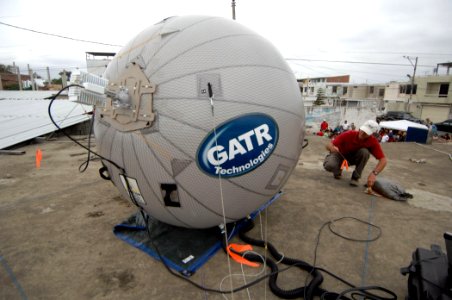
{"x": 238, "y": 146}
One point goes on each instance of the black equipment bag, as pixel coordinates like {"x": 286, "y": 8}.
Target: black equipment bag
{"x": 428, "y": 275}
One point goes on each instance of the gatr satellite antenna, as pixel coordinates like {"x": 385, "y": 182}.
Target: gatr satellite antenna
{"x": 203, "y": 114}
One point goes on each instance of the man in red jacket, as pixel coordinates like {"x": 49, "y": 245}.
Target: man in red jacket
{"x": 356, "y": 147}
{"x": 324, "y": 126}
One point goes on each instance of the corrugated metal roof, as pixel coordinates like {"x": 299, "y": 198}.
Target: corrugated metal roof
{"x": 21, "y": 120}
{"x": 26, "y": 95}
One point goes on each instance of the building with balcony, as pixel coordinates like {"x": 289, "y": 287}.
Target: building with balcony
{"x": 433, "y": 98}
{"x": 430, "y": 97}
{"x": 364, "y": 92}
{"x": 331, "y": 88}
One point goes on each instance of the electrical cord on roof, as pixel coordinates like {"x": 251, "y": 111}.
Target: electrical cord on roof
{"x": 362, "y": 292}
{"x": 299, "y": 292}
{"x": 238, "y": 289}
{"x": 353, "y": 239}
{"x": 121, "y": 169}
{"x": 70, "y": 137}
{"x": 82, "y": 168}
{"x": 243, "y": 275}
{"x": 197, "y": 285}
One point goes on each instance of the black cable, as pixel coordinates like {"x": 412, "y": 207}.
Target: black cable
{"x": 356, "y": 62}
{"x": 335, "y": 276}
{"x": 121, "y": 169}
{"x": 82, "y": 168}
{"x": 308, "y": 291}
{"x": 57, "y": 35}
{"x": 197, "y": 285}
{"x": 360, "y": 289}
{"x": 315, "y": 253}
{"x": 71, "y": 138}
{"x": 247, "y": 256}
{"x": 352, "y": 239}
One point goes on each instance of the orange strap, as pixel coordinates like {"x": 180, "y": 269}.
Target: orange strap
{"x": 344, "y": 165}
{"x": 239, "y": 258}
{"x": 38, "y": 158}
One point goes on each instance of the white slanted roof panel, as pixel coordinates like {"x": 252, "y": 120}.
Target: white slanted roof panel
{"x": 21, "y": 120}
{"x": 26, "y": 95}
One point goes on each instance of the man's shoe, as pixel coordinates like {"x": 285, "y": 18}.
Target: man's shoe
{"x": 354, "y": 182}
{"x": 337, "y": 176}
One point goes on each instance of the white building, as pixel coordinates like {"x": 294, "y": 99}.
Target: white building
{"x": 430, "y": 98}
{"x": 332, "y": 88}
{"x": 97, "y": 62}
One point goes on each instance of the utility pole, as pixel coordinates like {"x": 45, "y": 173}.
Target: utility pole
{"x": 48, "y": 75}
{"x": 412, "y": 78}
{"x": 64, "y": 78}
{"x": 19, "y": 78}
{"x": 233, "y": 9}
{"x": 30, "y": 73}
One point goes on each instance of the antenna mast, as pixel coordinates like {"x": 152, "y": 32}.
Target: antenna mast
{"x": 233, "y": 9}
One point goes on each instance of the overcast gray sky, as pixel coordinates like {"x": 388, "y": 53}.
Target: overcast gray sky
{"x": 316, "y": 33}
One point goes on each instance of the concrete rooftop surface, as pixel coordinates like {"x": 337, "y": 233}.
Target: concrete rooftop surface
{"x": 56, "y": 239}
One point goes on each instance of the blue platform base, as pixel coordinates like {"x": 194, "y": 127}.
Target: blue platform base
{"x": 184, "y": 250}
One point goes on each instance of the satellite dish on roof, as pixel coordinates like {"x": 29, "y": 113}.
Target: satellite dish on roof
{"x": 201, "y": 113}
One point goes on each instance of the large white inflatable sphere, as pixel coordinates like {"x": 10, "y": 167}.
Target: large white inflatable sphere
{"x": 205, "y": 115}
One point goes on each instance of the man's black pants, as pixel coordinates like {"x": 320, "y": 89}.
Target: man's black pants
{"x": 333, "y": 162}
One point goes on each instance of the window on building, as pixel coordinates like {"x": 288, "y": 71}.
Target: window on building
{"x": 334, "y": 89}
{"x": 305, "y": 89}
{"x": 433, "y": 88}
{"x": 381, "y": 93}
{"x": 352, "y": 103}
{"x": 443, "y": 89}
{"x": 344, "y": 90}
{"x": 371, "y": 89}
{"x": 312, "y": 89}
{"x": 406, "y": 89}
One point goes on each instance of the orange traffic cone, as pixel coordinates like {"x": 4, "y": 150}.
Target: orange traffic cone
{"x": 38, "y": 158}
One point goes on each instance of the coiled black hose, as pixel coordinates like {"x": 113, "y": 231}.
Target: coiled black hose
{"x": 312, "y": 288}
{"x": 307, "y": 292}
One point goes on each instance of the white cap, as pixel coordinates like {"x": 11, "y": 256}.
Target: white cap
{"x": 370, "y": 127}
